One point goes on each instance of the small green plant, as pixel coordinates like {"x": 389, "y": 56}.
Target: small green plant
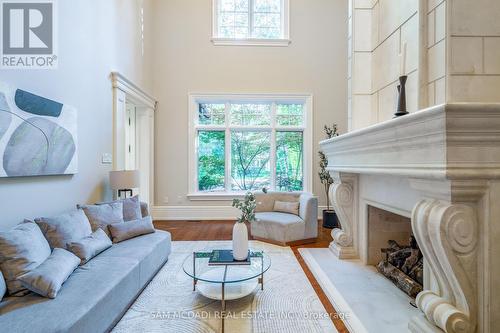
{"x": 323, "y": 174}
{"x": 331, "y": 131}
{"x": 247, "y": 207}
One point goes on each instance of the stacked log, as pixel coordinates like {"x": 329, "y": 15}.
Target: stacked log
{"x": 403, "y": 265}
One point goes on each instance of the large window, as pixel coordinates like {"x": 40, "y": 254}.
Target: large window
{"x": 251, "y": 22}
{"x": 245, "y": 143}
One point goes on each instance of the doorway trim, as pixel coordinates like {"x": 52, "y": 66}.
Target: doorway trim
{"x": 124, "y": 90}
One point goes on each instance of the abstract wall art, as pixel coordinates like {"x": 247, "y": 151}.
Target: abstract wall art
{"x": 38, "y": 136}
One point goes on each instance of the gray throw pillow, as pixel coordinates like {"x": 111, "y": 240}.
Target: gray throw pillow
{"x": 100, "y": 216}
{"x": 3, "y": 287}
{"x": 144, "y": 209}
{"x": 46, "y": 280}
{"x": 62, "y": 229}
{"x": 90, "y": 246}
{"x": 22, "y": 249}
{"x": 126, "y": 230}
{"x": 131, "y": 208}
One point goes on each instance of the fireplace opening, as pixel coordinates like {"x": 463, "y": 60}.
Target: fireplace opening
{"x": 394, "y": 251}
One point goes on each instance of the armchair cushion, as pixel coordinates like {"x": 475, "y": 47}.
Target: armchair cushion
{"x": 265, "y": 201}
{"x": 280, "y": 227}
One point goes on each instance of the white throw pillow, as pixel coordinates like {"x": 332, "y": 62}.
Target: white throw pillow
{"x": 286, "y": 207}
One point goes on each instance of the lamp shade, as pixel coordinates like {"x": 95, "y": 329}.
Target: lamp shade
{"x": 126, "y": 179}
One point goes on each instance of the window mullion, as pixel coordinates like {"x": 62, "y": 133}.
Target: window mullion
{"x": 227, "y": 154}
{"x": 250, "y": 18}
{"x": 273, "y": 147}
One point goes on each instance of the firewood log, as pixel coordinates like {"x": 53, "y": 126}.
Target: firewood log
{"x": 400, "y": 279}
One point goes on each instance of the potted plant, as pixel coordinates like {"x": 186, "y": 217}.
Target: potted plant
{"x": 330, "y": 219}
{"x": 240, "y": 231}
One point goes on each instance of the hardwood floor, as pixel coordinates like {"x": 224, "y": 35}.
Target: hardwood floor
{"x": 222, "y": 230}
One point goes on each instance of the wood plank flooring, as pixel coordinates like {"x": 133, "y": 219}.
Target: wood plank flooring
{"x": 222, "y": 230}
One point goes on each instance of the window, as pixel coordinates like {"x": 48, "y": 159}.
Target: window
{"x": 251, "y": 22}
{"x": 242, "y": 143}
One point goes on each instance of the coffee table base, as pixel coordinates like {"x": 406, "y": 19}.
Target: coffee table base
{"x": 226, "y": 291}
{"x": 231, "y": 290}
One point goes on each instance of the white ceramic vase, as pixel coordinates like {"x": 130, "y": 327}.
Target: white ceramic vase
{"x": 240, "y": 241}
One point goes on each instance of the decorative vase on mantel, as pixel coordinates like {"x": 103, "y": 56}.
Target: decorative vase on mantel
{"x": 240, "y": 231}
{"x": 240, "y": 241}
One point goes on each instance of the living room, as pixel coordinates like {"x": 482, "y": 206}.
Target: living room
{"x": 249, "y": 166}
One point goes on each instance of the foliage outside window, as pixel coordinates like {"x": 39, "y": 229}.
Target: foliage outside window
{"x": 247, "y": 146}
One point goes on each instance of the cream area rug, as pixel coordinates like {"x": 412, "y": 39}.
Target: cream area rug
{"x": 288, "y": 302}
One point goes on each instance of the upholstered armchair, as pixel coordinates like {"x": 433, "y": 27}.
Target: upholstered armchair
{"x": 280, "y": 221}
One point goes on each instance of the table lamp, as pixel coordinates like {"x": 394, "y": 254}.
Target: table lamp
{"x": 124, "y": 181}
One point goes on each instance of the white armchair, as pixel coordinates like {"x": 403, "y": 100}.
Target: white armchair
{"x": 285, "y": 228}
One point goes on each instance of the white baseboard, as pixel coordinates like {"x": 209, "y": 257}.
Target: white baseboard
{"x": 166, "y": 213}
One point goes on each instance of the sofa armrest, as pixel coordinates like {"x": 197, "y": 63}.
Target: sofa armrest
{"x": 144, "y": 209}
{"x": 308, "y": 211}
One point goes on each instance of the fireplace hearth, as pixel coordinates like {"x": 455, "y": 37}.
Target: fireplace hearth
{"x": 404, "y": 266}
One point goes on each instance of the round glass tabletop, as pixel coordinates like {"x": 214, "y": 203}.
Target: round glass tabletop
{"x": 197, "y": 266}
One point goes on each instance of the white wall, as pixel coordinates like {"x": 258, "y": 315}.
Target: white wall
{"x": 95, "y": 38}
{"x": 186, "y": 61}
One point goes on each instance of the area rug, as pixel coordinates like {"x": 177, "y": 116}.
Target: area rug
{"x": 288, "y": 302}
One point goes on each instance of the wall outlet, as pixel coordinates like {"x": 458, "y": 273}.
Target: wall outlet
{"x": 107, "y": 158}
{"x": 180, "y": 198}
{"x": 165, "y": 200}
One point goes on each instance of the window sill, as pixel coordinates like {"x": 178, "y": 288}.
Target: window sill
{"x": 250, "y": 42}
{"x": 221, "y": 196}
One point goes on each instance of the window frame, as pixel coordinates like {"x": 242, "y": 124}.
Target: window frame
{"x": 195, "y": 99}
{"x": 285, "y": 26}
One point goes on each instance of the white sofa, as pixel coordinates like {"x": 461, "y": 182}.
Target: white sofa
{"x": 285, "y": 228}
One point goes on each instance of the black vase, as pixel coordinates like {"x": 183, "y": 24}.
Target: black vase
{"x": 330, "y": 219}
{"x": 401, "y": 111}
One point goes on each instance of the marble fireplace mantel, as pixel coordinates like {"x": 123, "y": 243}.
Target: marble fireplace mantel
{"x": 442, "y": 166}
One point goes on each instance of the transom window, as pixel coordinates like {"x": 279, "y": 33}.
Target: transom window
{"x": 251, "y": 22}
{"x": 249, "y": 143}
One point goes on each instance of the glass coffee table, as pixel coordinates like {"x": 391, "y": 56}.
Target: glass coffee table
{"x": 226, "y": 282}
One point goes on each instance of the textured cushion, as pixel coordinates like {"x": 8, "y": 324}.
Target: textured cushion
{"x": 22, "y": 249}
{"x": 281, "y": 227}
{"x": 100, "y": 216}
{"x": 96, "y": 295}
{"x": 131, "y": 208}
{"x": 90, "y": 246}
{"x": 131, "y": 229}
{"x": 62, "y": 229}
{"x": 286, "y": 207}
{"x": 3, "y": 286}
{"x": 265, "y": 201}
{"x": 47, "y": 279}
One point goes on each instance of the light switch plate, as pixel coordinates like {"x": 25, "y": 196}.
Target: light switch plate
{"x": 107, "y": 158}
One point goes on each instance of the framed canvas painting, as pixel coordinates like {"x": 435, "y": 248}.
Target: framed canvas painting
{"x": 38, "y": 136}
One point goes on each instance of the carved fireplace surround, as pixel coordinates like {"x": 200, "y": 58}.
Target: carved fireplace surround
{"x": 441, "y": 167}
